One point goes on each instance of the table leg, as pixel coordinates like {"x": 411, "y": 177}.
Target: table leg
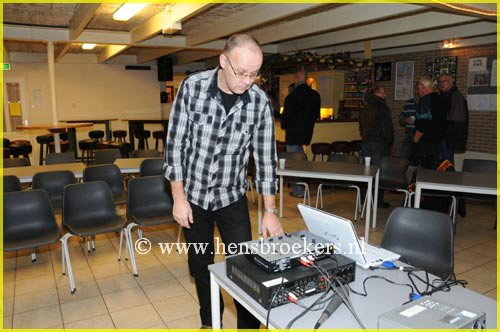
{"x": 281, "y": 196}
{"x": 108, "y": 130}
{"x": 215, "y": 302}
{"x": 368, "y": 210}
{"x": 72, "y": 141}
{"x": 375, "y": 203}
{"x": 57, "y": 143}
{"x": 418, "y": 193}
{"x": 259, "y": 212}
{"x": 131, "y": 127}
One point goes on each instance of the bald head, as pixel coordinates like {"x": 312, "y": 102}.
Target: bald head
{"x": 241, "y": 40}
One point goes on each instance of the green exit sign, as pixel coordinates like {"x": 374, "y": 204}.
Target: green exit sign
{"x": 6, "y": 66}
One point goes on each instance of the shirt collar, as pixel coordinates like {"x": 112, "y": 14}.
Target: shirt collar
{"x": 213, "y": 88}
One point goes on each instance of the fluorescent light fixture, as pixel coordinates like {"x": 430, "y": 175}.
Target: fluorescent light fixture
{"x": 127, "y": 11}
{"x": 87, "y": 46}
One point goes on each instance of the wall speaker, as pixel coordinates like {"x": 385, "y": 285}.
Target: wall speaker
{"x": 165, "y": 69}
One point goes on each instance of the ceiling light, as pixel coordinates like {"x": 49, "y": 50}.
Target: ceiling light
{"x": 87, "y": 46}
{"x": 448, "y": 44}
{"x": 127, "y": 11}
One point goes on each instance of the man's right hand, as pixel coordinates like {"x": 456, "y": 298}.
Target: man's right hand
{"x": 182, "y": 213}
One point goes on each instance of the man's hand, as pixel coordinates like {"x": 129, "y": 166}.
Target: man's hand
{"x": 271, "y": 225}
{"x": 418, "y": 135}
{"x": 182, "y": 213}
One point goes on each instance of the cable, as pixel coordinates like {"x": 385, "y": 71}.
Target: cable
{"x": 272, "y": 300}
{"x": 290, "y": 323}
{"x": 365, "y": 293}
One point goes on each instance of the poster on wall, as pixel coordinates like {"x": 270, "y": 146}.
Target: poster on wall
{"x": 494, "y": 73}
{"x": 404, "y": 80}
{"x": 441, "y": 65}
{"x": 479, "y": 78}
{"x": 481, "y": 84}
{"x": 383, "y": 71}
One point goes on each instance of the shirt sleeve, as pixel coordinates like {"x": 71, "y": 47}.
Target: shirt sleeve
{"x": 175, "y": 147}
{"x": 264, "y": 147}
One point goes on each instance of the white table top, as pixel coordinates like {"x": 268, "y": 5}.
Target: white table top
{"x": 457, "y": 181}
{"x": 325, "y": 170}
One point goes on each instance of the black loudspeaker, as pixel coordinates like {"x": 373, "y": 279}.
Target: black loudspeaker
{"x": 165, "y": 69}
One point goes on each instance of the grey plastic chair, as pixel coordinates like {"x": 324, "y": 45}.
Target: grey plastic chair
{"x": 106, "y": 156}
{"x": 16, "y": 162}
{"x": 146, "y": 154}
{"x": 53, "y": 183}
{"x": 60, "y": 158}
{"x": 423, "y": 238}
{"x": 288, "y": 180}
{"x": 11, "y": 183}
{"x": 151, "y": 166}
{"x": 341, "y": 158}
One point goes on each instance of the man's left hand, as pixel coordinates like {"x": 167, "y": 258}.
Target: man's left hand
{"x": 271, "y": 225}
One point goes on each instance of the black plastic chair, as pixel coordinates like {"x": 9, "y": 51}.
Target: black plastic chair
{"x": 16, "y": 162}
{"x": 145, "y": 154}
{"x": 149, "y": 204}
{"x": 28, "y": 221}
{"x": 112, "y": 176}
{"x": 151, "y": 166}
{"x": 341, "y": 158}
{"x": 88, "y": 210}
{"x": 53, "y": 183}
{"x": 60, "y": 158}
{"x": 423, "y": 238}
{"x": 11, "y": 183}
{"x": 321, "y": 149}
{"x": 106, "y": 156}
{"x": 287, "y": 180}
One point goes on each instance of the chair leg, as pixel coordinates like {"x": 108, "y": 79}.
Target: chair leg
{"x": 120, "y": 245}
{"x": 92, "y": 242}
{"x": 139, "y": 232}
{"x": 33, "y": 255}
{"x": 65, "y": 252}
{"x": 128, "y": 236}
{"x": 306, "y": 191}
{"x": 319, "y": 194}
{"x": 88, "y": 244}
{"x": 358, "y": 199}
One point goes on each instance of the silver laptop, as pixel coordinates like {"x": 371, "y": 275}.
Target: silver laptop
{"x": 340, "y": 232}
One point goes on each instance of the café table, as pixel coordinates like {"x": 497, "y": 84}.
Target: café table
{"x": 137, "y": 126}
{"x": 56, "y": 129}
{"x": 104, "y": 121}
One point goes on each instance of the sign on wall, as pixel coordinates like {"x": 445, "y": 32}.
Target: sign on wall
{"x": 403, "y": 89}
{"x": 441, "y": 65}
{"x": 481, "y": 84}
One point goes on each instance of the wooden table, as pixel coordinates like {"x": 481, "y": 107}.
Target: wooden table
{"x": 56, "y": 129}
{"x": 137, "y": 126}
{"x": 106, "y": 123}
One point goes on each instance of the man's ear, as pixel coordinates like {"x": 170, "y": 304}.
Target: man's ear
{"x": 222, "y": 60}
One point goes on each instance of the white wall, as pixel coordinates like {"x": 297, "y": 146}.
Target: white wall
{"x": 88, "y": 90}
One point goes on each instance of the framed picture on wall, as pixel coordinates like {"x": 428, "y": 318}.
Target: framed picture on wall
{"x": 403, "y": 89}
{"x": 170, "y": 92}
{"x": 383, "y": 71}
{"x": 441, "y": 65}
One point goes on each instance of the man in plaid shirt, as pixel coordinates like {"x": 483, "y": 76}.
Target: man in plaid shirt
{"x": 218, "y": 117}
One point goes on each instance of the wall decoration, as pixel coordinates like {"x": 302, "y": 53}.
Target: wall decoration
{"x": 477, "y": 64}
{"x": 404, "y": 80}
{"x": 481, "y": 84}
{"x": 493, "y": 81}
{"x": 441, "y": 65}
{"x": 383, "y": 71}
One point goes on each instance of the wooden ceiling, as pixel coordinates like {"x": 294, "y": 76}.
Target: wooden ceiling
{"x": 192, "y": 32}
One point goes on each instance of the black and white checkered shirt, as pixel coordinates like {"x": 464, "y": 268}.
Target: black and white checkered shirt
{"x": 209, "y": 150}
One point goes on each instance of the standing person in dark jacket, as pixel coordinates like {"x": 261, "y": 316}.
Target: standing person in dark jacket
{"x": 301, "y": 109}
{"x": 407, "y": 120}
{"x": 457, "y": 117}
{"x": 377, "y": 132}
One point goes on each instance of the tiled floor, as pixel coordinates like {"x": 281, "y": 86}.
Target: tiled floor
{"x": 36, "y": 295}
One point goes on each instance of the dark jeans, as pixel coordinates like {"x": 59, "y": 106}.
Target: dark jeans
{"x": 296, "y": 190}
{"x": 407, "y": 147}
{"x": 233, "y": 222}
{"x": 375, "y": 150}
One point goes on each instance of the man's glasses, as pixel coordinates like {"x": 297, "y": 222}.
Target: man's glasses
{"x": 242, "y": 75}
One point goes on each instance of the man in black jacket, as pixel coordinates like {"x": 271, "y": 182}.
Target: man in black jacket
{"x": 457, "y": 117}
{"x": 301, "y": 109}
{"x": 377, "y": 131}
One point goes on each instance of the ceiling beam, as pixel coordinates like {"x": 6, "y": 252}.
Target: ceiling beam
{"x": 245, "y": 20}
{"x": 336, "y": 18}
{"x": 148, "y": 54}
{"x": 401, "y": 25}
{"x": 81, "y": 18}
{"x": 110, "y": 52}
{"x": 62, "y": 52}
{"x": 473, "y": 10}
{"x": 171, "y": 14}
{"x": 185, "y": 57}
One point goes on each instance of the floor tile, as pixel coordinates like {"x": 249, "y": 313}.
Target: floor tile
{"x": 7, "y": 322}
{"x": 108, "y": 270}
{"x": 40, "y": 318}
{"x": 8, "y": 289}
{"x": 189, "y": 322}
{"x": 41, "y": 258}
{"x": 188, "y": 284}
{"x": 125, "y": 299}
{"x": 26, "y": 286}
{"x": 176, "y": 308}
{"x": 138, "y": 317}
{"x": 36, "y": 300}
{"x": 9, "y": 275}
{"x": 117, "y": 283}
{"x": 492, "y": 294}
{"x": 164, "y": 290}
{"x": 83, "y": 309}
{"x": 33, "y": 271}
{"x": 153, "y": 275}
{"x": 8, "y": 306}
{"x": 101, "y": 322}
{"x": 179, "y": 269}
{"x": 84, "y": 290}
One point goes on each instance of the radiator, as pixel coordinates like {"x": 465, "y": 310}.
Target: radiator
{"x": 459, "y": 158}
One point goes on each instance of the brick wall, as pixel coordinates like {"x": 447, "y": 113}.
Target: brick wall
{"x": 482, "y": 125}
